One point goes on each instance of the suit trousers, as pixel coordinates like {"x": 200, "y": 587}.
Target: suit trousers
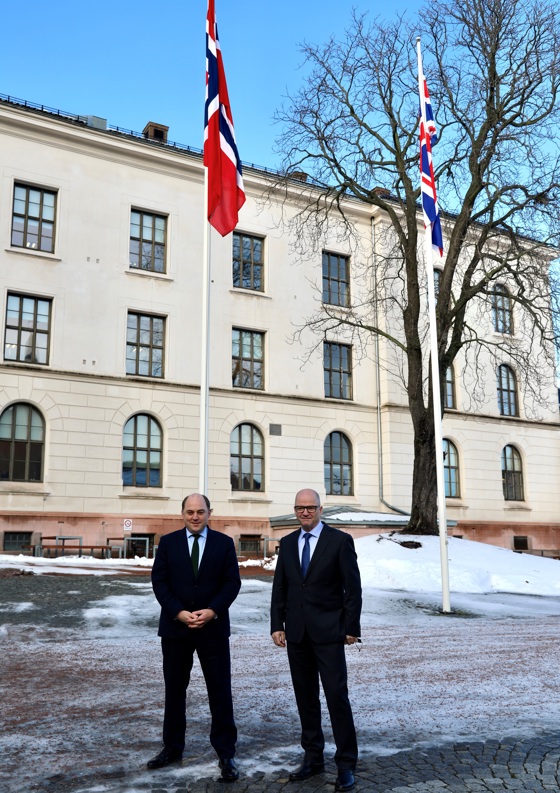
{"x": 310, "y": 661}
{"x": 214, "y": 657}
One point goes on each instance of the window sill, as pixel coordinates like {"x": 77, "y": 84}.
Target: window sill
{"x": 23, "y": 489}
{"x": 334, "y": 500}
{"x": 149, "y": 274}
{"x": 143, "y": 377}
{"x": 240, "y": 388}
{"x": 144, "y": 494}
{"x": 519, "y": 506}
{"x": 246, "y": 497}
{"x": 50, "y": 257}
{"x": 237, "y": 290}
{"x": 334, "y": 307}
{"x": 26, "y": 364}
{"x": 339, "y": 399}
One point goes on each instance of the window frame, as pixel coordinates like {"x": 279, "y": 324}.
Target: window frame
{"x": 21, "y": 544}
{"x": 238, "y": 239}
{"x": 507, "y": 391}
{"x": 247, "y": 371}
{"x": 449, "y": 393}
{"x": 149, "y": 449}
{"x": 35, "y": 330}
{"x": 502, "y": 310}
{"x": 238, "y": 456}
{"x": 438, "y": 275}
{"x": 155, "y": 216}
{"x": 520, "y": 542}
{"x": 26, "y": 218}
{"x": 335, "y": 286}
{"x": 28, "y": 441}
{"x": 451, "y": 469}
{"x": 344, "y": 386}
{"x": 139, "y": 345}
{"x": 513, "y": 486}
{"x": 329, "y": 465}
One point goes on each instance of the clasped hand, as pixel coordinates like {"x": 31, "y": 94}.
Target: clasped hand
{"x": 196, "y": 619}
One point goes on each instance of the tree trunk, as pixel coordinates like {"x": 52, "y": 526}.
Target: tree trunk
{"x": 423, "y": 518}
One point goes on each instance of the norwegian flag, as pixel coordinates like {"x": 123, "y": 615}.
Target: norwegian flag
{"x": 225, "y": 180}
{"x": 428, "y": 138}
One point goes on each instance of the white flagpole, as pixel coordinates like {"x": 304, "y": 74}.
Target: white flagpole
{"x": 205, "y": 350}
{"x": 436, "y": 398}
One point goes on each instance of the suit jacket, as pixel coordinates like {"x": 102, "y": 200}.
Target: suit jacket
{"x": 175, "y": 587}
{"x": 328, "y": 602}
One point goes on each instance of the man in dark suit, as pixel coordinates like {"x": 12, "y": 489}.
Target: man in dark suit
{"x": 196, "y": 579}
{"x": 315, "y": 611}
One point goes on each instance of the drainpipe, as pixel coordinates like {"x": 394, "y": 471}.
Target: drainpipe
{"x": 378, "y": 379}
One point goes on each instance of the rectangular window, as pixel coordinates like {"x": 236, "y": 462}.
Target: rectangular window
{"x": 337, "y": 362}
{"x": 145, "y": 339}
{"x": 247, "y": 358}
{"x": 148, "y": 234}
{"x": 449, "y": 390}
{"x": 249, "y": 544}
{"x": 247, "y": 257}
{"x": 33, "y": 218}
{"x": 28, "y": 321}
{"x": 520, "y": 543}
{"x": 17, "y": 540}
{"x": 336, "y": 279}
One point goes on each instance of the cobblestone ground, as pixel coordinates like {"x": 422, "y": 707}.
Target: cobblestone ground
{"x": 79, "y": 715}
{"x": 530, "y": 764}
{"x": 509, "y": 764}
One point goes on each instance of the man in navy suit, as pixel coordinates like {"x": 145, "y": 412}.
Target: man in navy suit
{"x": 315, "y": 612}
{"x": 196, "y": 579}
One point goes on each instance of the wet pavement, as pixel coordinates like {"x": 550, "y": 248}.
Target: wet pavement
{"x": 79, "y": 713}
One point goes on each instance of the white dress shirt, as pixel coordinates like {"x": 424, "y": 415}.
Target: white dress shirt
{"x": 201, "y": 542}
{"x": 314, "y": 535}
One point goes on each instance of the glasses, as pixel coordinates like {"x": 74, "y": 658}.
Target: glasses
{"x": 311, "y": 510}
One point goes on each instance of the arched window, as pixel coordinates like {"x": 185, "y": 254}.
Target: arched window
{"x": 142, "y": 439}
{"x": 451, "y": 469}
{"x": 246, "y": 458}
{"x": 449, "y": 392}
{"x": 22, "y": 443}
{"x": 502, "y": 309}
{"x": 338, "y": 465}
{"x": 512, "y": 474}
{"x": 507, "y": 391}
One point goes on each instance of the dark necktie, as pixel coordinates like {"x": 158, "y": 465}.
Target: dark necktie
{"x": 305, "y": 554}
{"x": 194, "y": 555}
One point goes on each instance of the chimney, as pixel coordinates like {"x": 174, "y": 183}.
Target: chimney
{"x": 157, "y": 132}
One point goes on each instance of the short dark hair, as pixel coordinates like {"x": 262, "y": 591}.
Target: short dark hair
{"x": 206, "y": 500}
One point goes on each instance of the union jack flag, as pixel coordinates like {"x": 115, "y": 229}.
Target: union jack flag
{"x": 428, "y": 138}
{"x": 226, "y": 195}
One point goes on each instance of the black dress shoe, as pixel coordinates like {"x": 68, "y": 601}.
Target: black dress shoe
{"x": 345, "y": 779}
{"x": 307, "y": 770}
{"x": 229, "y": 770}
{"x": 165, "y": 757}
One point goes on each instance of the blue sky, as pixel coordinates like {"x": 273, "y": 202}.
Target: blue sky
{"x": 134, "y": 62}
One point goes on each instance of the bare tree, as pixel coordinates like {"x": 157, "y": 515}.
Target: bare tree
{"x": 493, "y": 71}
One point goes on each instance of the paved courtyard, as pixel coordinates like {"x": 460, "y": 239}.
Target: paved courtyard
{"x": 462, "y": 705}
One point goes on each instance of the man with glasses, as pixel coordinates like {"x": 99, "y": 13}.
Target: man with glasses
{"x": 315, "y": 612}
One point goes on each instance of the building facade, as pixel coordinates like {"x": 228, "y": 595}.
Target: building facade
{"x": 101, "y": 245}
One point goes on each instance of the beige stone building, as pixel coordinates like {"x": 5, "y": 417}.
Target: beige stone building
{"x": 101, "y": 244}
